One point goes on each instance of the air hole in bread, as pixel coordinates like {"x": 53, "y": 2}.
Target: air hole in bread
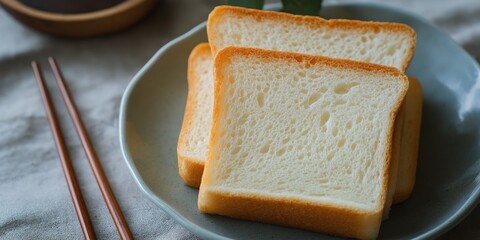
{"x": 320, "y": 149}
{"x": 344, "y": 88}
{"x": 323, "y": 181}
{"x": 391, "y": 51}
{"x": 311, "y": 100}
{"x": 335, "y": 131}
{"x": 360, "y": 175}
{"x": 304, "y": 132}
{"x": 359, "y": 119}
{"x": 265, "y": 148}
{"x": 324, "y": 118}
{"x": 339, "y": 102}
{"x": 236, "y": 150}
{"x": 242, "y": 120}
{"x": 330, "y": 156}
{"x": 261, "y": 99}
{"x": 280, "y": 152}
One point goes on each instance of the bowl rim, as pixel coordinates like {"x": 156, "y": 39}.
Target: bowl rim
{"x": 71, "y": 17}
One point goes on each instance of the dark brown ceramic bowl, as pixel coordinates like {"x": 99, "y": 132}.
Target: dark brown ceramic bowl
{"x": 84, "y": 24}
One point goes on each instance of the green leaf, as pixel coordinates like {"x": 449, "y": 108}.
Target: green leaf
{"x": 302, "y": 7}
{"x": 257, "y": 4}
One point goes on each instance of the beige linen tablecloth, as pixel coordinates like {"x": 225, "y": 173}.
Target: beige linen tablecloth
{"x": 34, "y": 200}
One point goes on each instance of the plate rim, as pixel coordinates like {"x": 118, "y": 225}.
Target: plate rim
{"x": 454, "y": 219}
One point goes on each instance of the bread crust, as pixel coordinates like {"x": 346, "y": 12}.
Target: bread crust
{"x": 313, "y": 21}
{"x": 287, "y": 211}
{"x": 396, "y": 159}
{"x": 291, "y": 213}
{"x": 190, "y": 169}
{"x": 411, "y": 135}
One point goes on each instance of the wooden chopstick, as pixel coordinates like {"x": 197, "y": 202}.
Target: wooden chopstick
{"x": 75, "y": 194}
{"x": 108, "y": 196}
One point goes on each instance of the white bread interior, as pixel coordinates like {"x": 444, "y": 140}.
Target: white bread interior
{"x": 301, "y": 141}
{"x": 195, "y": 133}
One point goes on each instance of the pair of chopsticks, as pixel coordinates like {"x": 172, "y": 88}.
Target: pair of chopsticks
{"x": 95, "y": 165}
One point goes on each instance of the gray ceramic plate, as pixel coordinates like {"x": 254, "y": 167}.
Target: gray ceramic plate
{"x": 448, "y": 182}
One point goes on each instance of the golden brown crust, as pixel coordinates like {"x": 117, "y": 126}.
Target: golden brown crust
{"x": 220, "y": 11}
{"x": 291, "y": 213}
{"x": 411, "y": 133}
{"x": 299, "y": 57}
{"x": 190, "y": 169}
{"x": 320, "y": 218}
{"x": 396, "y": 158}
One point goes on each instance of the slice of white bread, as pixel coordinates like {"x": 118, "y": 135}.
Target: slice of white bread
{"x": 407, "y": 167}
{"x": 389, "y": 44}
{"x": 195, "y": 133}
{"x": 192, "y": 157}
{"x": 301, "y": 141}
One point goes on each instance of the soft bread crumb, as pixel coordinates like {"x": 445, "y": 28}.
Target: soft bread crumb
{"x": 305, "y": 132}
